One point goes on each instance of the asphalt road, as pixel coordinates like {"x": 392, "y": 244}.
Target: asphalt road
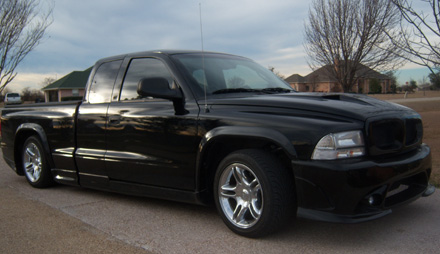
{"x": 65, "y": 219}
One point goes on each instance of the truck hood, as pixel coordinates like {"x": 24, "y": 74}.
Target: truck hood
{"x": 354, "y": 106}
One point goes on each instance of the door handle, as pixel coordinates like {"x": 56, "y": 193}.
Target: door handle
{"x": 114, "y": 120}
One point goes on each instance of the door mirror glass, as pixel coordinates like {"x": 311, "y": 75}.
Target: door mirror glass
{"x": 158, "y": 88}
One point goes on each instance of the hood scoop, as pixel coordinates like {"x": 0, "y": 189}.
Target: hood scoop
{"x": 347, "y": 98}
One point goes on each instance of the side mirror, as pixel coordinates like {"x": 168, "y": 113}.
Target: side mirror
{"x": 158, "y": 88}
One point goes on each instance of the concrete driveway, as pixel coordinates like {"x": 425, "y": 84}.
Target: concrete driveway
{"x": 67, "y": 219}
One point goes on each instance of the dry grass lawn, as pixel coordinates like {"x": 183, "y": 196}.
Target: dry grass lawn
{"x": 430, "y": 112}
{"x": 421, "y": 94}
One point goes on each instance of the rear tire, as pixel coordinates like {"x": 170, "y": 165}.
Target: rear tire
{"x": 34, "y": 162}
{"x": 254, "y": 193}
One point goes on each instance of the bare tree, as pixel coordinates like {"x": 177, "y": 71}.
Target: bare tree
{"x": 345, "y": 35}
{"x": 419, "y": 37}
{"x": 47, "y": 81}
{"x": 435, "y": 80}
{"x": 28, "y": 94}
{"x": 22, "y": 25}
{"x": 393, "y": 84}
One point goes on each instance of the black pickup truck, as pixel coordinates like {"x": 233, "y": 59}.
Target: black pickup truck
{"x": 207, "y": 128}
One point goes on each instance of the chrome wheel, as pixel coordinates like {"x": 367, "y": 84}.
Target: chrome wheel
{"x": 240, "y": 195}
{"x": 32, "y": 162}
{"x": 254, "y": 193}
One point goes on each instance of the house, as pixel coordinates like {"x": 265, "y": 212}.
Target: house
{"x": 321, "y": 81}
{"x": 71, "y": 86}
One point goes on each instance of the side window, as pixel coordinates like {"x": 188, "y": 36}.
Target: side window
{"x": 142, "y": 68}
{"x": 100, "y": 90}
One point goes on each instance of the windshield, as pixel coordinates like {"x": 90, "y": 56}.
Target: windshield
{"x": 229, "y": 74}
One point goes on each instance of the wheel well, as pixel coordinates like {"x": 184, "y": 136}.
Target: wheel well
{"x": 20, "y": 138}
{"x": 216, "y": 151}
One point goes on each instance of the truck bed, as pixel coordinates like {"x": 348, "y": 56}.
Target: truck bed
{"x": 54, "y": 122}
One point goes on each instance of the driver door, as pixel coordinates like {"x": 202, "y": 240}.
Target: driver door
{"x": 147, "y": 141}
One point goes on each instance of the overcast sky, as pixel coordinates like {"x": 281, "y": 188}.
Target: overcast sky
{"x": 83, "y": 31}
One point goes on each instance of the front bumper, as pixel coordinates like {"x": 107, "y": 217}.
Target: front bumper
{"x": 358, "y": 190}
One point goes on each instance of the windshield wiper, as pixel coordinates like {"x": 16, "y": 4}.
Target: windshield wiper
{"x": 276, "y": 90}
{"x": 236, "y": 90}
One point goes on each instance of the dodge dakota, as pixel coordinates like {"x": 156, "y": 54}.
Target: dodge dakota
{"x": 213, "y": 128}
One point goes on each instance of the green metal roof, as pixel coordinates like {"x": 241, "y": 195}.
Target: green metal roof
{"x": 73, "y": 80}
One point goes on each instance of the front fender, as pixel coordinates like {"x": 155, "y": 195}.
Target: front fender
{"x": 250, "y": 132}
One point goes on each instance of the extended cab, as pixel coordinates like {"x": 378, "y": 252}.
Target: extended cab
{"x": 208, "y": 127}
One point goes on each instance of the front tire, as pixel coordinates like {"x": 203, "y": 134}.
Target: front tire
{"x": 35, "y": 164}
{"x": 254, "y": 193}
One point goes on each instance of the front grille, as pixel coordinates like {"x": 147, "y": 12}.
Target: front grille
{"x": 387, "y": 136}
{"x": 414, "y": 131}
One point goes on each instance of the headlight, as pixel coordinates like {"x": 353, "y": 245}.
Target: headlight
{"x": 340, "y": 146}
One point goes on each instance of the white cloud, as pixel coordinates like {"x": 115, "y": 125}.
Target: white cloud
{"x": 30, "y": 80}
